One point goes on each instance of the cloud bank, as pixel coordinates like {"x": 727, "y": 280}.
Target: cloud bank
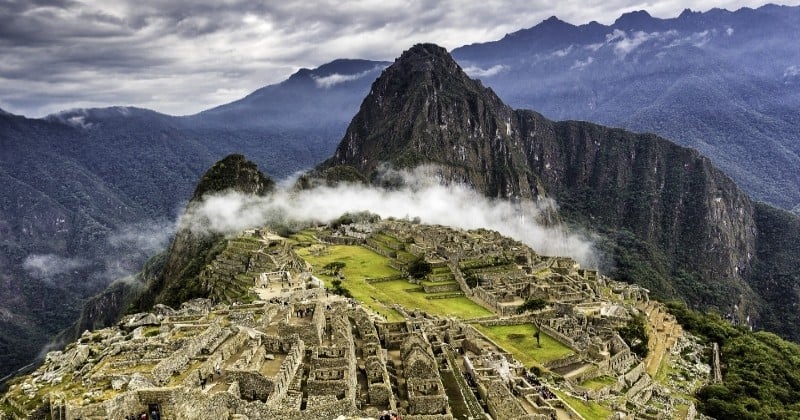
{"x": 336, "y": 78}
{"x": 422, "y": 197}
{"x": 48, "y": 267}
{"x": 475, "y": 71}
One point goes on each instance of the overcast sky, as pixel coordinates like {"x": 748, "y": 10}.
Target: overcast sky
{"x": 182, "y": 56}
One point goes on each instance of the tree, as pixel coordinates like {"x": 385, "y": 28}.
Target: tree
{"x": 635, "y": 335}
{"x": 419, "y": 268}
{"x": 532, "y": 304}
{"x": 334, "y": 267}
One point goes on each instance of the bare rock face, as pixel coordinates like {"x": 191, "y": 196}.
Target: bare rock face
{"x": 425, "y": 109}
{"x": 139, "y": 381}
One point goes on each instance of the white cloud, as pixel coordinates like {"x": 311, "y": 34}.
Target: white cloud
{"x": 624, "y": 45}
{"x": 336, "y": 78}
{"x": 453, "y": 205}
{"x": 48, "y": 267}
{"x": 595, "y": 47}
{"x": 729, "y": 31}
{"x": 474, "y": 71}
{"x": 579, "y": 64}
{"x": 791, "y": 71}
{"x": 562, "y": 52}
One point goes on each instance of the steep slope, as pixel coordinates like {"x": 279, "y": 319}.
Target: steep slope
{"x": 172, "y": 276}
{"x": 191, "y": 250}
{"x": 667, "y": 217}
{"x": 725, "y": 83}
{"x": 424, "y": 109}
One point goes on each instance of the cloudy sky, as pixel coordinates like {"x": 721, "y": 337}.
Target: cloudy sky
{"x": 183, "y": 56}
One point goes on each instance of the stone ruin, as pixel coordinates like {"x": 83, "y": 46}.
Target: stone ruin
{"x": 308, "y": 355}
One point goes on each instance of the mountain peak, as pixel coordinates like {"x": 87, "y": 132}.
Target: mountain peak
{"x": 635, "y": 19}
{"x": 423, "y": 57}
{"x": 425, "y": 109}
{"x": 234, "y": 172}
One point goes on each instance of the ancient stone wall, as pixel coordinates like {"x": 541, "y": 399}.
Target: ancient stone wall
{"x": 178, "y": 361}
{"x": 252, "y": 385}
{"x": 287, "y": 371}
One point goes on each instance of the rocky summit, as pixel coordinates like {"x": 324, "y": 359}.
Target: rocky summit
{"x": 486, "y": 329}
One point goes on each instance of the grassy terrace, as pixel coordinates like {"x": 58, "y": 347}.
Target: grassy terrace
{"x": 599, "y": 382}
{"x": 361, "y": 263}
{"x": 519, "y": 341}
{"x": 589, "y": 410}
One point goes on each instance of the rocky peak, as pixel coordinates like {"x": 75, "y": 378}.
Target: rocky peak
{"x": 643, "y": 190}
{"x": 425, "y": 109}
{"x": 234, "y": 172}
{"x": 190, "y": 251}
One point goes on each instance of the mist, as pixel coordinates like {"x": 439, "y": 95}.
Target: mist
{"x": 422, "y": 197}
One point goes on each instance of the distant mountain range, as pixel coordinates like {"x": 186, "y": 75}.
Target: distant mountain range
{"x": 724, "y": 83}
{"x": 89, "y": 194}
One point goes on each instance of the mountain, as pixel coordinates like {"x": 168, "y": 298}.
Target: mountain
{"x": 310, "y": 100}
{"x": 173, "y": 275}
{"x": 666, "y": 217}
{"x": 724, "y": 83}
{"x": 90, "y": 194}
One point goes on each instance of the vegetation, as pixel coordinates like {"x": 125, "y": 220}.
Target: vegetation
{"x": 520, "y": 341}
{"x": 333, "y": 268}
{"x": 635, "y": 335}
{"x": 419, "y": 269}
{"x": 760, "y": 371}
{"x": 587, "y": 409}
{"x": 532, "y": 304}
{"x": 338, "y": 289}
{"x": 362, "y": 264}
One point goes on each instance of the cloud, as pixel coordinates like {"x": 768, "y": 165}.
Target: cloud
{"x": 729, "y": 31}
{"x": 562, "y": 52}
{"x": 624, "y": 45}
{"x": 130, "y": 245}
{"x": 184, "y": 56}
{"x": 791, "y": 71}
{"x": 579, "y": 64}
{"x": 422, "y": 196}
{"x": 474, "y": 71}
{"x": 336, "y": 78}
{"x": 48, "y": 267}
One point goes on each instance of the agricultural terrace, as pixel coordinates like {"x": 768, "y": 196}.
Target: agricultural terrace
{"x": 362, "y": 264}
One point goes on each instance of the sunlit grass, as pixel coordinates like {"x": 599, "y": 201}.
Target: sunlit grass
{"x": 520, "y": 342}
{"x": 590, "y": 410}
{"x": 362, "y": 264}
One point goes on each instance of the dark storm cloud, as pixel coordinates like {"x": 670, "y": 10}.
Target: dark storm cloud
{"x": 182, "y": 56}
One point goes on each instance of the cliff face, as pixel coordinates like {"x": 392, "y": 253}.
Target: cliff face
{"x": 424, "y": 109}
{"x": 667, "y": 218}
{"x": 667, "y": 196}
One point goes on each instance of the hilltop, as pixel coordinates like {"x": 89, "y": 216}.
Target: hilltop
{"x": 455, "y": 341}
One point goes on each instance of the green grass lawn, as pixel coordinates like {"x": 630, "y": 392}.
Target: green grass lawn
{"x": 599, "y": 382}
{"x": 361, "y": 263}
{"x": 524, "y": 348}
{"x": 590, "y": 411}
